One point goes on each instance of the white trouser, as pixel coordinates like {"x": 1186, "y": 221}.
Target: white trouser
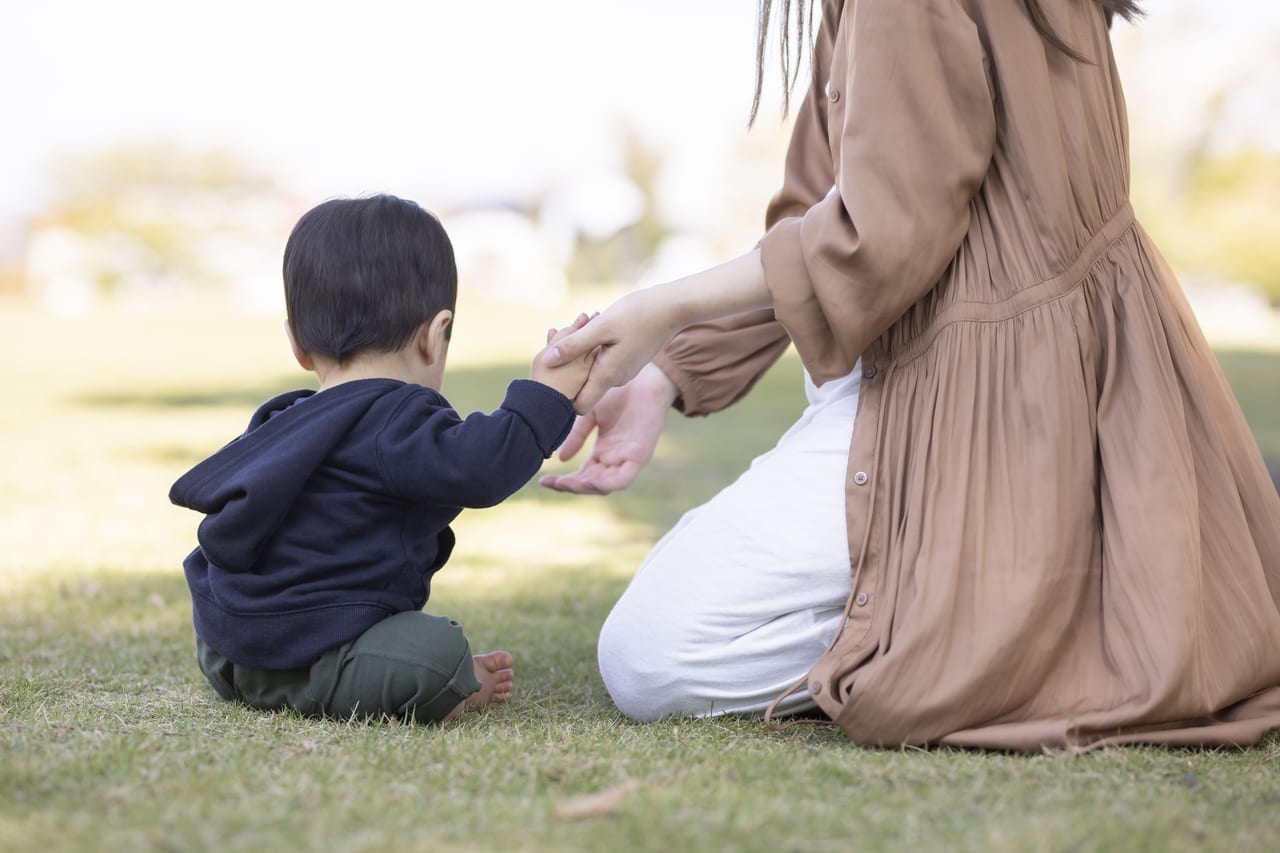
{"x": 741, "y": 597}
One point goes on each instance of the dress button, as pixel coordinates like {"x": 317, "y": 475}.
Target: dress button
{"x": 869, "y": 372}
{"x": 833, "y": 94}
{"x": 815, "y": 687}
{"x": 860, "y": 478}
{"x": 860, "y": 599}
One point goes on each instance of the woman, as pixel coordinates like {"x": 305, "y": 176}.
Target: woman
{"x": 1023, "y": 508}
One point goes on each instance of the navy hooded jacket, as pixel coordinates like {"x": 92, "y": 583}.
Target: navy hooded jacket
{"x": 331, "y": 512}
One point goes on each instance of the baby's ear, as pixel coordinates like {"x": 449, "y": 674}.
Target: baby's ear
{"x": 304, "y": 360}
{"x": 433, "y": 336}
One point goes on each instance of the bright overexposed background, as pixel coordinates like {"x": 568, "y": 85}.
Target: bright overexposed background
{"x": 156, "y": 153}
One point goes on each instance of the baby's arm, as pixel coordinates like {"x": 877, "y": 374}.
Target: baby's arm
{"x": 431, "y": 454}
{"x": 567, "y": 378}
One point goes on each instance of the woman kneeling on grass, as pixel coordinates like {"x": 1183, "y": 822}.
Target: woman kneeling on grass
{"x": 1022, "y": 508}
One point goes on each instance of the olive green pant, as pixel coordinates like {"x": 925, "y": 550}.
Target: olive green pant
{"x": 411, "y": 665}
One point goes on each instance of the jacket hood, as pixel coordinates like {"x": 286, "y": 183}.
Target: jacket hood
{"x": 248, "y": 487}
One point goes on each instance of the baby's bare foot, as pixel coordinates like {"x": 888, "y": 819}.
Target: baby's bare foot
{"x": 493, "y": 670}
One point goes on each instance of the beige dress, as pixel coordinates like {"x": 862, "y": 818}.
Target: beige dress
{"x": 1061, "y": 530}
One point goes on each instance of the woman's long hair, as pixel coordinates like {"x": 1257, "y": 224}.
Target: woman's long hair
{"x": 795, "y": 33}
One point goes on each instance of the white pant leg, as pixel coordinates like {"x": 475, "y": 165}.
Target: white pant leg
{"x": 742, "y": 596}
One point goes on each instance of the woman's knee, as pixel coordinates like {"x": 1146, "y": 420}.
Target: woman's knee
{"x": 638, "y": 669}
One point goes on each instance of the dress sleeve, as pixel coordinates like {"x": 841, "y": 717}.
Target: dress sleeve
{"x": 910, "y": 101}
{"x": 715, "y": 364}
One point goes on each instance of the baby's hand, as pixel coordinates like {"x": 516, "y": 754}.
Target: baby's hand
{"x": 568, "y": 378}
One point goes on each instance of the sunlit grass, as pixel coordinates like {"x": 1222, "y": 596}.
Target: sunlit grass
{"x": 110, "y": 740}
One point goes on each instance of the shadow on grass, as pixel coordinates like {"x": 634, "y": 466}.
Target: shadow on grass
{"x": 106, "y": 633}
{"x": 244, "y": 397}
{"x": 117, "y": 651}
{"x": 697, "y": 456}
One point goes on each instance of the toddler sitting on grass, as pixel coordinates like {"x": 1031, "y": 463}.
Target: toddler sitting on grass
{"x": 326, "y": 520}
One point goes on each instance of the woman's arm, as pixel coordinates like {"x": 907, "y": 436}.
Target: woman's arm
{"x": 913, "y": 128}
{"x": 633, "y": 329}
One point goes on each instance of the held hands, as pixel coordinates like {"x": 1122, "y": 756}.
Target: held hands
{"x": 566, "y": 376}
{"x": 632, "y": 330}
{"x": 625, "y": 397}
{"x": 625, "y": 338}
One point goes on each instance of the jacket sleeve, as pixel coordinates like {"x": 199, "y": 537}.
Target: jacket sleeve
{"x": 911, "y": 102}
{"x": 431, "y": 455}
{"x": 715, "y": 364}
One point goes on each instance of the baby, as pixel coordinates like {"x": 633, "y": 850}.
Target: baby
{"x": 326, "y": 520}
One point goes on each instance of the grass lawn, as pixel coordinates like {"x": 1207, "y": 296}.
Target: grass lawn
{"x": 110, "y": 739}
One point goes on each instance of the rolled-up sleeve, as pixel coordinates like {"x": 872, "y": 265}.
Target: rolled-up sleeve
{"x": 911, "y": 102}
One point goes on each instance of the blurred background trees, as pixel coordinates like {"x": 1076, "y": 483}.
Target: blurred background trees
{"x": 1219, "y": 220}
{"x": 156, "y": 224}
{"x": 155, "y": 173}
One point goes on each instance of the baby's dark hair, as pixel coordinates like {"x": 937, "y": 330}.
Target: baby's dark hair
{"x": 364, "y": 273}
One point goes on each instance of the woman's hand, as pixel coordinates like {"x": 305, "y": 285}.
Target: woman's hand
{"x": 628, "y": 421}
{"x": 632, "y": 330}
{"x": 626, "y": 396}
{"x": 626, "y": 337}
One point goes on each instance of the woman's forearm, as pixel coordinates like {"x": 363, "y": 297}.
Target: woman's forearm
{"x": 729, "y": 288}
{"x": 631, "y": 331}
